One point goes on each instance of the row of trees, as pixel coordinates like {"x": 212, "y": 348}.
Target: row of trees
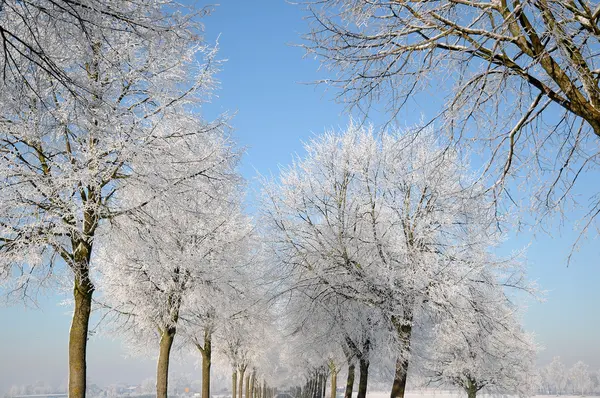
{"x": 376, "y": 244}
{"x": 387, "y": 248}
{"x": 110, "y": 178}
{"x": 555, "y": 378}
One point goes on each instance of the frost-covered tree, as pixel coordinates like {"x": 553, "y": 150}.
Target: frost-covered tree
{"x": 47, "y": 33}
{"x": 480, "y": 345}
{"x": 170, "y": 264}
{"x": 67, "y": 154}
{"x": 393, "y": 221}
{"x": 230, "y": 297}
{"x": 544, "y": 381}
{"x": 341, "y": 330}
{"x": 558, "y": 375}
{"x": 579, "y": 376}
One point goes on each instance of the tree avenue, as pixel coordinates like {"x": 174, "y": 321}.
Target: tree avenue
{"x": 374, "y": 255}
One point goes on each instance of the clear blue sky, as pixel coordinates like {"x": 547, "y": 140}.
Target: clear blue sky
{"x": 262, "y": 82}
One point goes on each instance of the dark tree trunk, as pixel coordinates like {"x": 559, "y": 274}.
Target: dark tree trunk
{"x": 399, "y": 385}
{"x": 350, "y": 381}
{"x": 78, "y": 334}
{"x": 162, "y": 369}
{"x": 364, "y": 378}
{"x": 404, "y": 331}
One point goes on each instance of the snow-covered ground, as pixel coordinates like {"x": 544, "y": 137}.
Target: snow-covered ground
{"x": 435, "y": 393}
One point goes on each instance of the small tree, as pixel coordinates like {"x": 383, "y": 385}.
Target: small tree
{"x": 480, "y": 344}
{"x": 579, "y": 376}
{"x": 558, "y": 374}
{"x": 166, "y": 260}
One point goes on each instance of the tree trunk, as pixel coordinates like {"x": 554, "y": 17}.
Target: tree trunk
{"x": 247, "y": 386}
{"x": 241, "y": 382}
{"x": 350, "y": 381}
{"x": 206, "y": 352}
{"x": 333, "y": 384}
{"x": 399, "y": 385}
{"x": 471, "y": 389}
{"x": 82, "y": 293}
{"x": 364, "y": 377}
{"x": 162, "y": 369}
{"x": 252, "y": 384}
{"x": 404, "y": 331}
{"x": 233, "y": 382}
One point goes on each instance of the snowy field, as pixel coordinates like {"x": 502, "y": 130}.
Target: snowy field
{"x": 433, "y": 393}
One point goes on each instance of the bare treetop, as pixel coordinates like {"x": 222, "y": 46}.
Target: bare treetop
{"x": 520, "y": 78}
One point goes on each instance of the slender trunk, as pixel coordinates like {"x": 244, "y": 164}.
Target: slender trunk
{"x": 318, "y": 387}
{"x": 206, "y": 352}
{"x": 241, "y": 381}
{"x": 333, "y": 384}
{"x": 233, "y": 382}
{"x": 364, "y": 378}
{"x": 404, "y": 331}
{"x": 350, "y": 381}
{"x": 82, "y": 293}
{"x": 252, "y": 384}
{"x": 162, "y": 369}
{"x": 247, "y": 386}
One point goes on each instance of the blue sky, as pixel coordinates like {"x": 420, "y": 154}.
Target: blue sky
{"x": 262, "y": 82}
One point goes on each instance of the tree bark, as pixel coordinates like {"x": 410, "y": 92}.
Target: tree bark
{"x": 252, "y": 384}
{"x": 78, "y": 334}
{"x": 399, "y": 385}
{"x": 364, "y": 378}
{"x": 241, "y": 381}
{"x": 247, "y": 386}
{"x": 471, "y": 388}
{"x": 350, "y": 381}
{"x": 206, "y": 352}
{"x": 162, "y": 370}
{"x": 333, "y": 384}
{"x": 404, "y": 331}
{"x": 233, "y": 382}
